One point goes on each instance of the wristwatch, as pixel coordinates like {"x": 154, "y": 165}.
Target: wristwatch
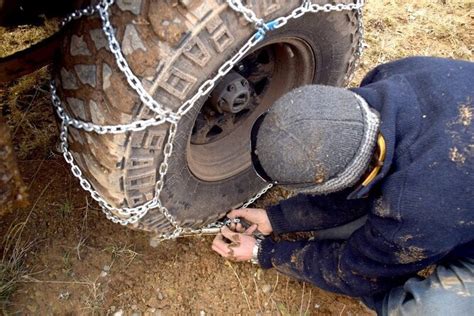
{"x": 255, "y": 251}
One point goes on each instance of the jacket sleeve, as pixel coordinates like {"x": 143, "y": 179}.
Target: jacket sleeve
{"x": 309, "y": 213}
{"x": 361, "y": 266}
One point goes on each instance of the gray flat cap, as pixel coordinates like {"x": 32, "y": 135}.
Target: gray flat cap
{"x": 315, "y": 139}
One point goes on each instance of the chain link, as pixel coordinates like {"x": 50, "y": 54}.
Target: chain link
{"x": 122, "y": 63}
{"x": 126, "y": 216}
{"x": 80, "y": 13}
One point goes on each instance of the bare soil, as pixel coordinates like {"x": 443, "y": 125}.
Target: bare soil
{"x": 80, "y": 263}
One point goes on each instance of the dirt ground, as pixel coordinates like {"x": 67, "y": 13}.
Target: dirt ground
{"x": 70, "y": 260}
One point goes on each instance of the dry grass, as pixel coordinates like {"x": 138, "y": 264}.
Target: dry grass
{"x": 26, "y": 102}
{"x": 270, "y": 293}
{"x": 27, "y": 106}
{"x": 397, "y": 28}
{"x": 15, "y": 248}
{"x": 16, "y": 39}
{"x": 12, "y": 264}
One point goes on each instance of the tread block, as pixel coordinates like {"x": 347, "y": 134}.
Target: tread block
{"x": 139, "y": 198}
{"x": 197, "y": 52}
{"x": 222, "y": 38}
{"x": 142, "y": 181}
{"x": 140, "y": 162}
{"x": 177, "y": 82}
{"x": 271, "y": 6}
{"x": 150, "y": 139}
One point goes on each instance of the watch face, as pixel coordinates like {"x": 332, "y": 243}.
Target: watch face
{"x": 255, "y": 251}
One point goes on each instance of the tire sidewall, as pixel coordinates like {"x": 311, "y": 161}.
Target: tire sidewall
{"x": 195, "y": 202}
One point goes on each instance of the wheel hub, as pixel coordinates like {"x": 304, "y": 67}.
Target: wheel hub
{"x": 232, "y": 94}
{"x": 219, "y": 142}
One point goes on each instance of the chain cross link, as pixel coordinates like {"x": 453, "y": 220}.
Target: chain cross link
{"x": 125, "y": 216}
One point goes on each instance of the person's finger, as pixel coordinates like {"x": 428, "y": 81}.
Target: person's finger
{"x": 239, "y": 228}
{"x": 219, "y": 241}
{"x": 232, "y": 236}
{"x": 220, "y": 251}
{"x": 223, "y": 252}
{"x": 220, "y": 246}
{"x": 251, "y": 230}
{"x": 237, "y": 213}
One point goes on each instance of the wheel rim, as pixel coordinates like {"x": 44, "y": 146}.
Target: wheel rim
{"x": 219, "y": 143}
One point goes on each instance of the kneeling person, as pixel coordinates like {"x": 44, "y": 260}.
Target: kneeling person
{"x": 386, "y": 177}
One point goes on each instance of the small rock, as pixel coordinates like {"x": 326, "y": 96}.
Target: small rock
{"x": 160, "y": 296}
{"x": 103, "y": 274}
{"x": 176, "y": 21}
{"x": 112, "y": 308}
{"x": 152, "y": 301}
{"x": 106, "y": 268}
{"x": 134, "y": 307}
{"x": 185, "y": 3}
{"x": 266, "y": 288}
{"x": 32, "y": 308}
{"x": 118, "y": 313}
{"x": 165, "y": 23}
{"x": 64, "y": 295}
{"x": 202, "y": 313}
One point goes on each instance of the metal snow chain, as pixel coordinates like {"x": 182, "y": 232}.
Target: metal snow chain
{"x": 360, "y": 47}
{"x": 125, "y": 216}
{"x": 79, "y": 13}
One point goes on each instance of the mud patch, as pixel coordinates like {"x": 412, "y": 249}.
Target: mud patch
{"x": 410, "y": 255}
{"x": 465, "y": 114}
{"x": 456, "y": 156}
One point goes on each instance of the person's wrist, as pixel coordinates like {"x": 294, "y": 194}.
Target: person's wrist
{"x": 255, "y": 251}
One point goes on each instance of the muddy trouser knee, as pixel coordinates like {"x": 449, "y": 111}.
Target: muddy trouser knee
{"x": 448, "y": 291}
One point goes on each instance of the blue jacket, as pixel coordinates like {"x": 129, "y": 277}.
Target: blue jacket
{"x": 420, "y": 207}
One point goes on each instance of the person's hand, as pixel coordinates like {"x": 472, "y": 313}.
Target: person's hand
{"x": 254, "y": 216}
{"x": 233, "y": 245}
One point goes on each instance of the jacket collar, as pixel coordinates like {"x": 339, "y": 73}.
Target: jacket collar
{"x": 386, "y": 147}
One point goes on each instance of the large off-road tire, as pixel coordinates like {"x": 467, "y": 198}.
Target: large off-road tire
{"x": 173, "y": 46}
